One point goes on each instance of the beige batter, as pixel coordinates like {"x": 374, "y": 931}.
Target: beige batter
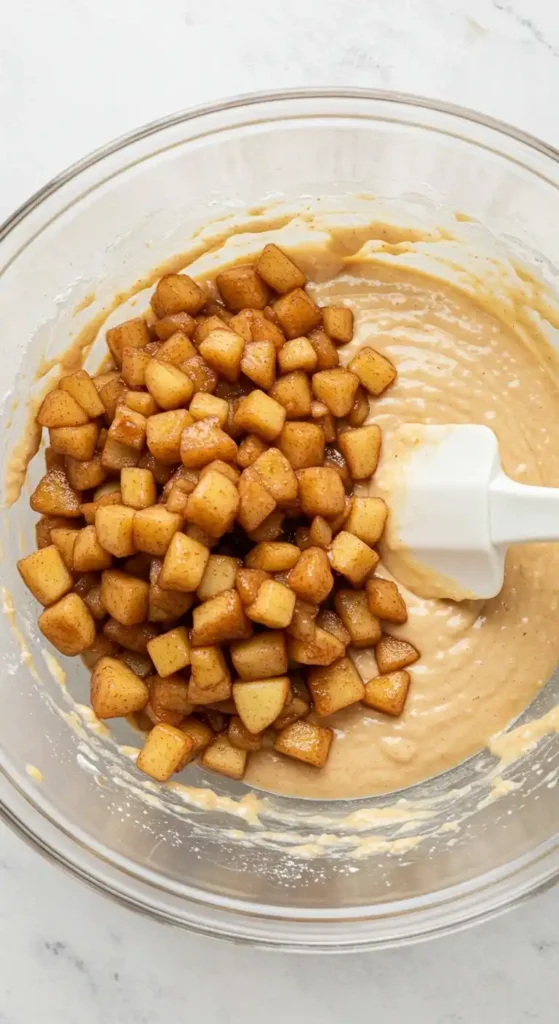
{"x": 470, "y": 351}
{"x": 481, "y": 664}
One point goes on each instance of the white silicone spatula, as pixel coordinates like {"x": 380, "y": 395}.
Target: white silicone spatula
{"x": 456, "y": 512}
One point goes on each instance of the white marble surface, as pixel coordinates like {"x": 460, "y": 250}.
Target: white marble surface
{"x": 73, "y": 74}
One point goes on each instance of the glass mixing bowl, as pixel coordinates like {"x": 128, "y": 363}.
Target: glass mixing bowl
{"x": 288, "y": 874}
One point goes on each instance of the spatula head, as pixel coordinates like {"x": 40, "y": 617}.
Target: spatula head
{"x": 439, "y": 508}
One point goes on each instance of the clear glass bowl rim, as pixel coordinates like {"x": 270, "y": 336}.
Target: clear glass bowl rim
{"x": 533, "y": 874}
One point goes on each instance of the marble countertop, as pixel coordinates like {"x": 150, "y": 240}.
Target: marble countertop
{"x": 74, "y": 74}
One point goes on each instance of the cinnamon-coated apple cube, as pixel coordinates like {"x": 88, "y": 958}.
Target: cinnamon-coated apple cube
{"x": 362, "y": 625}
{"x": 241, "y": 287}
{"x": 141, "y": 402}
{"x": 273, "y": 556}
{"x": 125, "y": 597}
{"x": 200, "y": 734}
{"x": 259, "y": 363}
{"x": 164, "y": 432}
{"x": 88, "y": 554}
{"x": 297, "y": 354}
{"x": 101, "y": 647}
{"x": 60, "y": 409}
{"x": 306, "y": 742}
{"x": 203, "y": 405}
{"x": 130, "y": 334}
{"x": 298, "y": 704}
{"x": 385, "y": 600}
{"x": 64, "y": 540}
{"x": 326, "y": 353}
{"x": 203, "y": 442}
{"x": 200, "y": 535}
{"x": 374, "y": 370}
{"x": 220, "y": 574}
{"x": 278, "y": 270}
{"x": 223, "y": 350}
{"x": 240, "y": 323}
{"x": 264, "y": 329}
{"x": 321, "y": 649}
{"x": 311, "y": 578}
{"x": 270, "y": 528}
{"x": 248, "y": 583}
{"x": 116, "y": 690}
{"x": 255, "y": 501}
{"x": 303, "y": 538}
{"x": 177, "y": 293}
{"x": 203, "y": 377}
{"x": 321, "y": 492}
{"x": 213, "y": 504}
{"x": 332, "y": 623}
{"x": 84, "y": 476}
{"x": 388, "y": 693}
{"x": 239, "y": 736}
{"x": 273, "y": 606}
{"x": 97, "y": 608}
{"x": 277, "y": 475}
{"x": 111, "y": 395}
{"x": 336, "y": 388}
{"x": 361, "y": 450}
{"x": 45, "y": 573}
{"x": 264, "y": 655}
{"x": 293, "y": 392}
{"x": 68, "y": 625}
{"x": 219, "y": 620}
{"x": 138, "y": 488}
{"x": 320, "y": 532}
{"x": 168, "y": 325}
{"x": 367, "y": 519}
{"x": 116, "y": 456}
{"x": 303, "y": 623}
{"x": 351, "y": 557}
{"x": 169, "y": 386}
{"x": 170, "y": 652}
{"x": 176, "y": 349}
{"x": 114, "y": 525}
{"x": 393, "y": 654}
{"x": 225, "y": 759}
{"x": 81, "y": 387}
{"x": 219, "y": 466}
{"x": 360, "y": 408}
{"x": 302, "y": 444}
{"x": 134, "y": 637}
{"x": 259, "y": 702}
{"x": 184, "y": 564}
{"x": 297, "y": 313}
{"x": 154, "y": 528}
{"x": 165, "y": 605}
{"x": 79, "y": 442}
{"x": 166, "y": 751}
{"x": 249, "y": 450}
{"x": 338, "y": 323}
{"x": 134, "y": 362}
{"x": 168, "y": 699}
{"x": 89, "y": 508}
{"x": 207, "y": 324}
{"x": 128, "y": 427}
{"x": 259, "y": 414}
{"x": 209, "y": 670}
{"x": 335, "y": 687}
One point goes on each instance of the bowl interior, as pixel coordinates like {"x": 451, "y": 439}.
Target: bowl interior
{"x": 394, "y": 866}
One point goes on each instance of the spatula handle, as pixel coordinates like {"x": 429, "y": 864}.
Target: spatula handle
{"x": 519, "y": 513}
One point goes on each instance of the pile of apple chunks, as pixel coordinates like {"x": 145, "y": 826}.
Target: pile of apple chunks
{"x": 199, "y": 545}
